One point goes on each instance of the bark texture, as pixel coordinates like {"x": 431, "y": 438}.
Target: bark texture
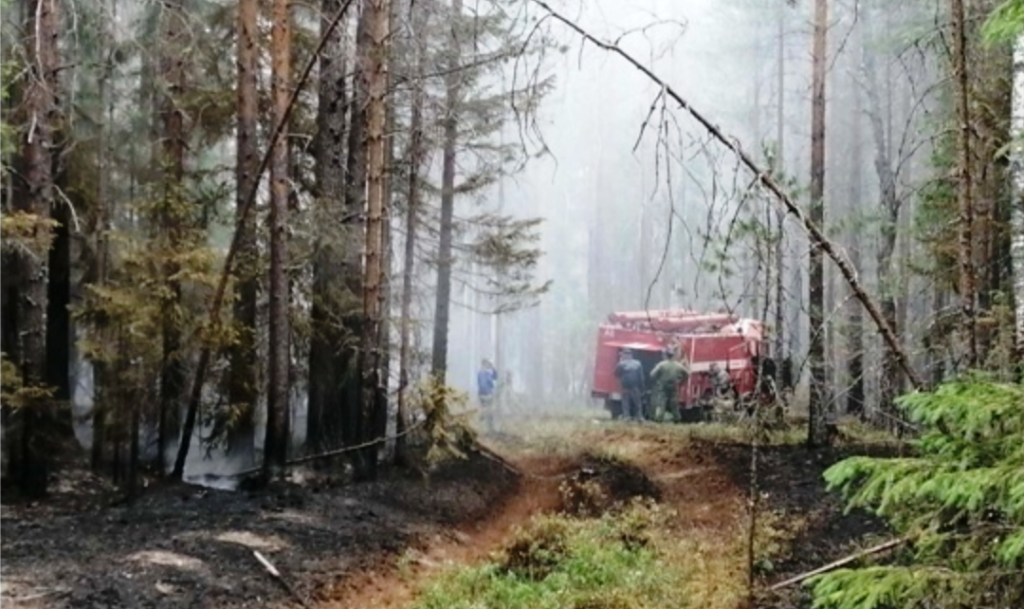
{"x": 816, "y": 433}
{"x": 968, "y": 287}
{"x": 326, "y": 364}
{"x": 1017, "y": 201}
{"x": 31, "y": 458}
{"x": 378, "y": 18}
{"x": 243, "y": 391}
{"x": 276, "y": 443}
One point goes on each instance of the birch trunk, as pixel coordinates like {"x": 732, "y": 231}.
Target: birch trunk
{"x": 1017, "y": 211}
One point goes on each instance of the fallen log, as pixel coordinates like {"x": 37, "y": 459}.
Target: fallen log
{"x": 276, "y": 575}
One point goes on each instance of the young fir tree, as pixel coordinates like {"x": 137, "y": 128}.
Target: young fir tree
{"x": 959, "y": 502}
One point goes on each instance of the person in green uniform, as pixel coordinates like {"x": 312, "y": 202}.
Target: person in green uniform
{"x": 665, "y": 380}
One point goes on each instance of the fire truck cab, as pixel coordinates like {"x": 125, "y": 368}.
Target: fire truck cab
{"x": 735, "y": 344}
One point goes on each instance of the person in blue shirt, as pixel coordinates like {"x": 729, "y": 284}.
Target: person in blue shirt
{"x": 486, "y": 384}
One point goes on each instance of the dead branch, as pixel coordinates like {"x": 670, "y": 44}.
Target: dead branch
{"x": 839, "y": 563}
{"x": 766, "y": 180}
{"x": 276, "y": 575}
{"x": 218, "y": 298}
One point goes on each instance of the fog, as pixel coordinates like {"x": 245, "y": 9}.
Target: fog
{"x": 640, "y": 207}
{"x": 621, "y": 164}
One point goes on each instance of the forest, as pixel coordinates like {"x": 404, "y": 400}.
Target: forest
{"x": 255, "y": 251}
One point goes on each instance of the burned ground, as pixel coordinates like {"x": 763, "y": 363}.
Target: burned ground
{"x": 372, "y": 545}
{"x": 791, "y": 484}
{"x": 187, "y": 546}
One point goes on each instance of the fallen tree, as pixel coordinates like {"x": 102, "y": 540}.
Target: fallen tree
{"x": 765, "y": 179}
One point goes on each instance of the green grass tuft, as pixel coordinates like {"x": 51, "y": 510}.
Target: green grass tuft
{"x": 557, "y": 562}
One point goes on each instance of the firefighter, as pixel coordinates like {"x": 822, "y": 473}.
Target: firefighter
{"x": 666, "y": 378}
{"x": 631, "y": 379}
{"x": 486, "y": 383}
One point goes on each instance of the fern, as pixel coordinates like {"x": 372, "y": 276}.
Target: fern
{"x": 960, "y": 498}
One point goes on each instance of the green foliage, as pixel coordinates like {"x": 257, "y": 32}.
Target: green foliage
{"x": 447, "y": 434}
{"x": 28, "y": 233}
{"x": 936, "y": 210}
{"x": 555, "y": 562}
{"x": 14, "y": 394}
{"x": 960, "y": 499}
{"x": 125, "y": 316}
{"x": 1004, "y": 23}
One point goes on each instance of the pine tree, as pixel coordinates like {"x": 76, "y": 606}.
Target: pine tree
{"x": 968, "y": 279}
{"x": 243, "y": 391}
{"x": 327, "y": 343}
{"x": 376, "y": 73}
{"x": 41, "y": 98}
{"x": 277, "y": 432}
{"x": 453, "y": 92}
{"x": 173, "y": 216}
{"x": 816, "y": 434}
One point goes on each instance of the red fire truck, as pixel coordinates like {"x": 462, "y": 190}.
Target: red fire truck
{"x": 735, "y": 344}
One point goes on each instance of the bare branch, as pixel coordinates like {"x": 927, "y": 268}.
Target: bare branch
{"x": 765, "y": 178}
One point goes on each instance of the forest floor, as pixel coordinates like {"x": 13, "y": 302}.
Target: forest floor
{"x": 377, "y": 545}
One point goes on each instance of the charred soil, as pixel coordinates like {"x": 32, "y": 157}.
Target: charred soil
{"x": 815, "y": 528}
{"x": 375, "y": 545}
{"x": 188, "y": 546}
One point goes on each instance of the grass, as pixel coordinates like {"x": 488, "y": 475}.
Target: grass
{"x": 632, "y": 560}
{"x": 585, "y": 563}
{"x": 617, "y": 561}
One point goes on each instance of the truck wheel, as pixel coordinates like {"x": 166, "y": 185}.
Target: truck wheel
{"x": 614, "y": 407}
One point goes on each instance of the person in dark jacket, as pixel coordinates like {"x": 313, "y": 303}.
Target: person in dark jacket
{"x": 630, "y": 374}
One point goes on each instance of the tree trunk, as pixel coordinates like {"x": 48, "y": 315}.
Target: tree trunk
{"x": 41, "y": 103}
{"x": 816, "y": 433}
{"x": 442, "y": 309}
{"x": 780, "y": 168}
{"x": 415, "y": 155}
{"x": 104, "y": 212}
{"x": 967, "y": 281}
{"x": 1017, "y": 201}
{"x": 888, "y": 380}
{"x": 935, "y": 340}
{"x": 376, "y": 75}
{"x": 242, "y": 390}
{"x": 326, "y": 364}
{"x": 276, "y": 442}
{"x": 58, "y": 318}
{"x": 854, "y": 316}
{"x": 172, "y": 372}
{"x": 353, "y": 430}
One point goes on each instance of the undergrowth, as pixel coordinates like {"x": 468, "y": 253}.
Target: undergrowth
{"x": 615, "y": 561}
